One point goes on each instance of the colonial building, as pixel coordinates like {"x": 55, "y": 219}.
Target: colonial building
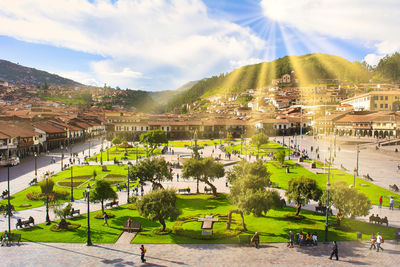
{"x": 375, "y": 101}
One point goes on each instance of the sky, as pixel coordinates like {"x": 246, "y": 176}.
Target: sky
{"x": 158, "y": 45}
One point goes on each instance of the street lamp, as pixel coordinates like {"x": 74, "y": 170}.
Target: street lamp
{"x": 62, "y": 157}
{"x": 9, "y": 204}
{"x": 47, "y": 202}
{"x": 88, "y": 241}
{"x": 127, "y": 197}
{"x": 354, "y": 177}
{"x": 72, "y": 186}
{"x": 35, "y": 156}
{"x": 328, "y": 185}
{"x": 101, "y": 156}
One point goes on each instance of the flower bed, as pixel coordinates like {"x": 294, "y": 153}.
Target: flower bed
{"x": 36, "y": 195}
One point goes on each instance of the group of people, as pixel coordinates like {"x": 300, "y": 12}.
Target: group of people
{"x": 391, "y": 202}
{"x": 301, "y": 239}
{"x": 376, "y": 242}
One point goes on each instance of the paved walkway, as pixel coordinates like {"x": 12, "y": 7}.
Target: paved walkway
{"x": 273, "y": 254}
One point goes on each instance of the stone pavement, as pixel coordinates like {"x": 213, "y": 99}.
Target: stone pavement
{"x": 271, "y": 254}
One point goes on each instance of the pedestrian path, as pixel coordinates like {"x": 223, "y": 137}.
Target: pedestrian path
{"x": 126, "y": 238}
{"x": 271, "y": 254}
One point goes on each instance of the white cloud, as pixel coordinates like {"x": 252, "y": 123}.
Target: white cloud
{"x": 139, "y": 39}
{"x": 373, "y": 59}
{"x": 369, "y": 21}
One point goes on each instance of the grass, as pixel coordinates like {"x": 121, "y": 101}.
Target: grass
{"x": 273, "y": 227}
{"x": 247, "y": 149}
{"x": 119, "y": 154}
{"x": 200, "y": 143}
{"x": 372, "y": 191}
{"x": 62, "y": 180}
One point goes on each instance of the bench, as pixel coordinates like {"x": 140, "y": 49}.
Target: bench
{"x": 378, "y": 220}
{"x": 13, "y": 238}
{"x": 394, "y": 188}
{"x": 184, "y": 190}
{"x": 367, "y": 177}
{"x": 111, "y": 204}
{"x": 274, "y": 185}
{"x": 104, "y": 168}
{"x": 85, "y": 163}
{"x": 207, "y": 190}
{"x": 25, "y": 223}
{"x": 34, "y": 181}
{"x": 132, "y": 226}
{"x": 73, "y": 211}
{"x": 322, "y": 211}
{"x": 245, "y": 239}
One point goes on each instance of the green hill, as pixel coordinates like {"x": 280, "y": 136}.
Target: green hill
{"x": 308, "y": 69}
{"x": 19, "y": 74}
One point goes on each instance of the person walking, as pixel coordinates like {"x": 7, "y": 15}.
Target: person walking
{"x": 391, "y": 203}
{"x": 373, "y": 241}
{"x": 379, "y": 241}
{"x": 142, "y": 253}
{"x": 105, "y": 216}
{"x": 256, "y": 239}
{"x": 334, "y": 251}
{"x": 291, "y": 239}
{"x": 380, "y": 202}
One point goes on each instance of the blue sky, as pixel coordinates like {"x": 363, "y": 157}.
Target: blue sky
{"x": 162, "y": 44}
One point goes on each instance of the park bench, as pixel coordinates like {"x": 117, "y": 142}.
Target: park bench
{"x": 74, "y": 211}
{"x": 4, "y": 194}
{"x": 207, "y": 190}
{"x": 13, "y": 238}
{"x": 244, "y": 239}
{"x": 116, "y": 162}
{"x": 184, "y": 190}
{"x": 104, "y": 168}
{"x": 34, "y": 181}
{"x": 394, "y": 188}
{"x": 377, "y": 219}
{"x": 85, "y": 163}
{"x": 111, "y": 204}
{"x": 132, "y": 226}
{"x": 274, "y": 185}
{"x": 25, "y": 223}
{"x": 367, "y": 177}
{"x": 322, "y": 211}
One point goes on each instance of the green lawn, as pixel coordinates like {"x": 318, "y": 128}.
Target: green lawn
{"x": 84, "y": 176}
{"x": 121, "y": 153}
{"x": 200, "y": 143}
{"x": 270, "y": 147}
{"x": 279, "y": 175}
{"x": 272, "y": 228}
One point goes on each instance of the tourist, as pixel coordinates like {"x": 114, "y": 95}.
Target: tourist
{"x": 315, "y": 239}
{"x": 300, "y": 239}
{"x": 177, "y": 177}
{"x": 118, "y": 187}
{"x": 391, "y": 203}
{"x": 4, "y": 238}
{"x": 308, "y": 239}
{"x": 379, "y": 241}
{"x": 105, "y": 216}
{"x": 334, "y": 251}
{"x": 256, "y": 239}
{"x": 380, "y": 202}
{"x": 142, "y": 253}
{"x": 373, "y": 241}
{"x": 291, "y": 238}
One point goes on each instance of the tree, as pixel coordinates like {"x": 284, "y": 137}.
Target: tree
{"x": 205, "y": 170}
{"x": 301, "y": 190}
{"x": 102, "y": 191}
{"x": 116, "y": 141}
{"x": 256, "y": 168}
{"x": 280, "y": 156}
{"x": 248, "y": 194}
{"x": 154, "y": 138}
{"x": 159, "y": 205}
{"x": 347, "y": 200}
{"x": 46, "y": 186}
{"x": 258, "y": 140}
{"x": 154, "y": 170}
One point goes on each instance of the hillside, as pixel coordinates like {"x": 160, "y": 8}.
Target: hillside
{"x": 16, "y": 73}
{"x": 308, "y": 69}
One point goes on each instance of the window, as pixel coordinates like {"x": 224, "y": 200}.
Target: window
{"x": 381, "y": 105}
{"x": 386, "y": 97}
{"x": 375, "y": 105}
{"x": 376, "y": 97}
{"x": 386, "y": 105}
{"x": 381, "y": 97}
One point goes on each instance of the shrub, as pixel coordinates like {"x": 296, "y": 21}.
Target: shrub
{"x": 158, "y": 231}
{"x": 71, "y": 227}
{"x": 100, "y": 215}
{"x": 35, "y": 195}
{"x": 46, "y": 186}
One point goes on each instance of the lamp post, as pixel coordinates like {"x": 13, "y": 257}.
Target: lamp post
{"x": 88, "y": 241}
{"x": 62, "y": 158}
{"x": 354, "y": 177}
{"x": 326, "y": 212}
{"x": 72, "y": 186}
{"x": 47, "y": 202}
{"x": 101, "y": 156}
{"x": 35, "y": 156}
{"x": 127, "y": 196}
{"x": 8, "y": 197}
